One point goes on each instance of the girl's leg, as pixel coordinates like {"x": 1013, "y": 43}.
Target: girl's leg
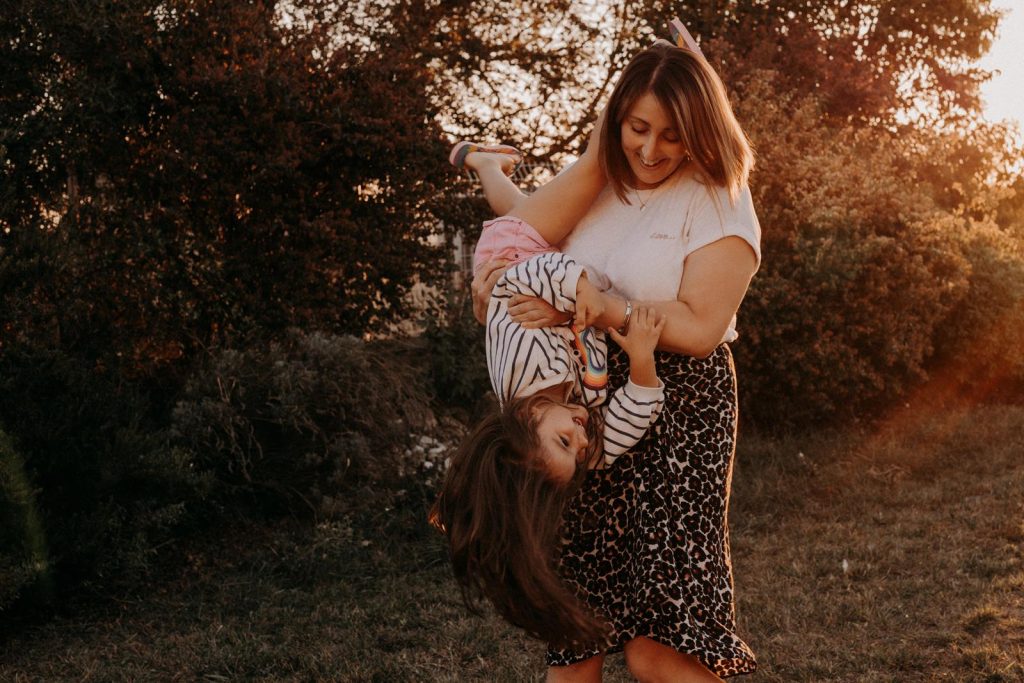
{"x": 651, "y": 662}
{"x": 556, "y": 207}
{"x": 587, "y": 671}
{"x": 499, "y": 190}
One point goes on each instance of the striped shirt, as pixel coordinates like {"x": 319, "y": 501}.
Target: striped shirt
{"x": 522, "y": 361}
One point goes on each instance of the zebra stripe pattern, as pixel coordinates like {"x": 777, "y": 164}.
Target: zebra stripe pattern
{"x": 522, "y": 361}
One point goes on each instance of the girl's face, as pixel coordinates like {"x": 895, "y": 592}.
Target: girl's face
{"x": 562, "y": 432}
{"x": 651, "y": 143}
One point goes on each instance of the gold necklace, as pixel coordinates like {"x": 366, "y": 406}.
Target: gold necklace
{"x": 643, "y": 204}
{"x": 636, "y": 192}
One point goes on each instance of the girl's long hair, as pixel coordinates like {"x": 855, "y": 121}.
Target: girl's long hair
{"x": 501, "y": 513}
{"x": 690, "y": 91}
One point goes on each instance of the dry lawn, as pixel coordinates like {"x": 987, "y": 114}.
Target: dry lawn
{"x": 894, "y": 555}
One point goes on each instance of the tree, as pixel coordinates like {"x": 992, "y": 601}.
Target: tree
{"x": 872, "y": 175}
{"x": 178, "y": 174}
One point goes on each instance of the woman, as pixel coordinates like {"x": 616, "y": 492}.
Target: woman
{"x": 646, "y": 540}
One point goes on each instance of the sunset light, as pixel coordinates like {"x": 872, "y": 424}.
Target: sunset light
{"x": 458, "y": 341}
{"x": 1004, "y": 93}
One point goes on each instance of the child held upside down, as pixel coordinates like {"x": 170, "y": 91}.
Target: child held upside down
{"x": 502, "y": 501}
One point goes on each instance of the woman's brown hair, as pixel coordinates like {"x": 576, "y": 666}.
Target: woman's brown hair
{"x": 501, "y": 513}
{"x": 692, "y": 94}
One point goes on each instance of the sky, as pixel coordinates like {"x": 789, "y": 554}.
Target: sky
{"x": 1004, "y": 94}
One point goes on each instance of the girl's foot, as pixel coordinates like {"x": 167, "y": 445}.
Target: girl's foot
{"x": 470, "y": 155}
{"x": 682, "y": 37}
{"x": 595, "y": 376}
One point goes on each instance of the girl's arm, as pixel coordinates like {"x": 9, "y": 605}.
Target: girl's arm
{"x": 635, "y": 406}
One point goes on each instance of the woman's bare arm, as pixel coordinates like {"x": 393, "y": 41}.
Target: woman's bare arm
{"x": 714, "y": 282}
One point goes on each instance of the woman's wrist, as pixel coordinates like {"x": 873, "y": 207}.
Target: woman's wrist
{"x": 614, "y": 312}
{"x": 626, "y": 317}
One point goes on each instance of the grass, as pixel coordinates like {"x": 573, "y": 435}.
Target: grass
{"x": 888, "y": 556}
{"x": 891, "y": 555}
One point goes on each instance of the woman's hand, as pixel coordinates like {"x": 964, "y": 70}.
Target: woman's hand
{"x": 533, "y": 313}
{"x": 483, "y": 285}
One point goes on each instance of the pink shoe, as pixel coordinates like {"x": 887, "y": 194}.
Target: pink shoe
{"x": 462, "y": 149}
{"x": 595, "y": 376}
{"x": 682, "y": 37}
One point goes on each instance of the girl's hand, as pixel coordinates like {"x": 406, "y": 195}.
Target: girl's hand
{"x": 533, "y": 313}
{"x": 642, "y": 336}
{"x": 590, "y": 304}
{"x": 483, "y": 285}
{"x": 639, "y": 343}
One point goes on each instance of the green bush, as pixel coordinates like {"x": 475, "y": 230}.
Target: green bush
{"x": 840, "y": 323}
{"x": 456, "y": 357}
{"x": 110, "y": 488}
{"x": 24, "y": 566}
{"x": 860, "y": 273}
{"x": 291, "y": 424}
{"x": 979, "y": 346}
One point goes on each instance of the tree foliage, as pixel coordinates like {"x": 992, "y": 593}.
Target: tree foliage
{"x": 536, "y": 71}
{"x": 876, "y": 175}
{"x": 181, "y": 173}
{"x": 24, "y": 565}
{"x": 176, "y": 176}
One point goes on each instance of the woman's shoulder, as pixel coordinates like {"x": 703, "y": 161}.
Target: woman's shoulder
{"x": 719, "y": 213}
{"x": 717, "y": 205}
{"x": 697, "y": 181}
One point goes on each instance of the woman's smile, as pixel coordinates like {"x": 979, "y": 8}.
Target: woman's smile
{"x": 649, "y": 164}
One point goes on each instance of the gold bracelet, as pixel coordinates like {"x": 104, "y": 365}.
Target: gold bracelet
{"x": 624, "y": 327}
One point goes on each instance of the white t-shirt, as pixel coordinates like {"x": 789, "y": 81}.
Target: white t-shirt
{"x": 641, "y": 248}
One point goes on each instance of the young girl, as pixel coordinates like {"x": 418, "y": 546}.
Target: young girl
{"x": 502, "y": 501}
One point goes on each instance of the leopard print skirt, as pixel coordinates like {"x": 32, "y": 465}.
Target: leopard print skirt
{"x": 646, "y": 541}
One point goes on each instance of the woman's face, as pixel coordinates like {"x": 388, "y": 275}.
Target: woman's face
{"x": 651, "y": 143}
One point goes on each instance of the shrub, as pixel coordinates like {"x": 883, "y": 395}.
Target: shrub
{"x": 841, "y": 323}
{"x": 859, "y": 271}
{"x": 110, "y": 489}
{"x": 455, "y": 353}
{"x": 980, "y": 343}
{"x": 290, "y": 423}
{"x": 24, "y": 565}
